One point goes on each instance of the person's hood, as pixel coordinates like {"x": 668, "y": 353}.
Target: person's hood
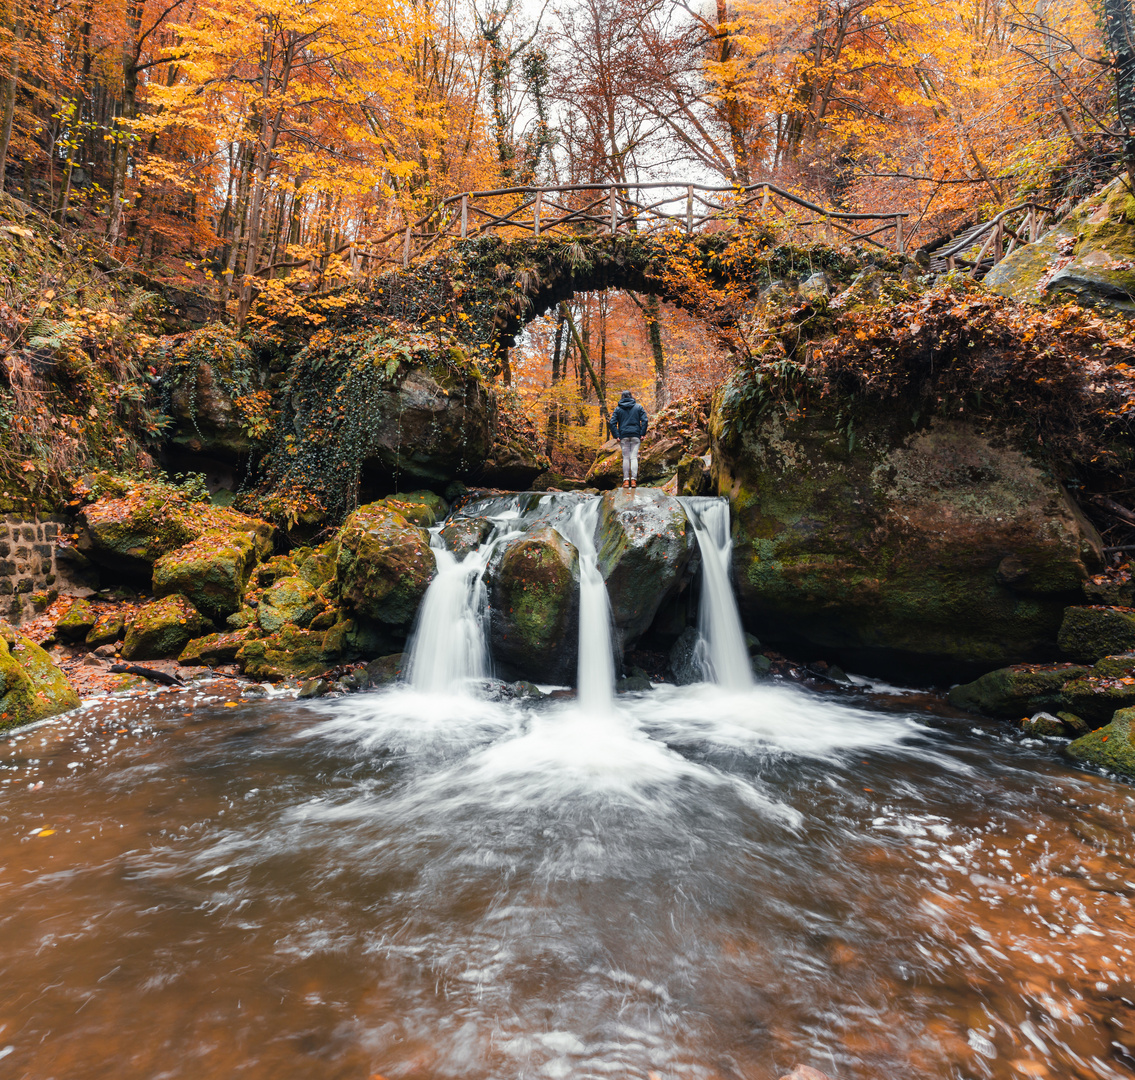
{"x": 627, "y": 398}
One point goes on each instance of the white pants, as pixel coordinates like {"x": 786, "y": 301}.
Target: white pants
{"x": 630, "y": 458}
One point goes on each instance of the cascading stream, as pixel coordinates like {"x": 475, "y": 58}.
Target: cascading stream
{"x": 596, "y": 670}
{"x": 450, "y": 649}
{"x": 725, "y": 659}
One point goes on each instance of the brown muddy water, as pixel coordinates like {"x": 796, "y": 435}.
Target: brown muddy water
{"x": 695, "y": 885}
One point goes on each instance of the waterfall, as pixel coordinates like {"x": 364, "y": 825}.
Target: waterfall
{"x": 725, "y": 659}
{"x": 596, "y": 671}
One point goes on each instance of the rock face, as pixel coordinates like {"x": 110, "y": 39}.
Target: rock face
{"x": 384, "y": 567}
{"x": 1088, "y": 257}
{"x": 212, "y": 571}
{"x": 512, "y": 464}
{"x": 1089, "y": 633}
{"x": 1109, "y": 747}
{"x": 31, "y": 686}
{"x": 163, "y": 628}
{"x": 644, "y": 544}
{"x": 943, "y": 541}
{"x": 534, "y": 598}
{"x": 423, "y": 429}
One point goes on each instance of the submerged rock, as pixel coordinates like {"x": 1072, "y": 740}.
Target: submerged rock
{"x": 534, "y": 606}
{"x": 869, "y": 531}
{"x": 1109, "y": 747}
{"x": 31, "y": 686}
{"x": 644, "y": 544}
{"x": 384, "y": 566}
{"x": 163, "y": 628}
{"x": 685, "y": 665}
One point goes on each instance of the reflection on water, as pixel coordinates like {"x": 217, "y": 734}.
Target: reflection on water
{"x": 704, "y": 885}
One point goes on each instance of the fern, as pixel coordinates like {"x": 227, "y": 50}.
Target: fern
{"x": 49, "y": 334}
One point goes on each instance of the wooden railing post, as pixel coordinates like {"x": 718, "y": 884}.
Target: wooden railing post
{"x": 689, "y": 209}
{"x": 999, "y": 243}
{"x": 536, "y": 213}
{"x": 614, "y": 213}
{"x": 464, "y": 216}
{"x": 898, "y": 234}
{"x": 406, "y": 249}
{"x": 764, "y": 201}
{"x": 1032, "y": 223}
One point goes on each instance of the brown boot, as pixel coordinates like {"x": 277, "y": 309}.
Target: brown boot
{"x": 626, "y": 483}
{"x": 634, "y": 483}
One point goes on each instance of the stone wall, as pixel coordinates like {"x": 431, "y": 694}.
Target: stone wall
{"x": 34, "y": 569}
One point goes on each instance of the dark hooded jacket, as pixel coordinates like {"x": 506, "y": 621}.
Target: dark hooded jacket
{"x": 628, "y": 421}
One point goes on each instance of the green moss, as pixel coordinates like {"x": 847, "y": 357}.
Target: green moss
{"x": 290, "y": 600}
{"x": 212, "y": 571}
{"x": 1089, "y": 633}
{"x": 163, "y": 628}
{"x": 1017, "y": 691}
{"x": 1110, "y": 747}
{"x": 31, "y": 686}
{"x": 77, "y": 623}
{"x": 290, "y": 653}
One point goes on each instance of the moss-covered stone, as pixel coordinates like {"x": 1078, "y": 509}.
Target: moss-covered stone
{"x": 534, "y": 606}
{"x": 385, "y": 670}
{"x": 163, "y": 628}
{"x": 1109, "y": 747}
{"x": 422, "y": 508}
{"x": 280, "y": 566}
{"x": 289, "y": 653}
{"x": 1043, "y": 725}
{"x": 31, "y": 686}
{"x": 463, "y": 535}
{"x": 78, "y": 622}
{"x": 384, "y": 566}
{"x": 109, "y": 627}
{"x": 1088, "y": 257}
{"x": 1018, "y": 691}
{"x": 1089, "y": 633}
{"x": 212, "y": 571}
{"x": 214, "y": 649}
{"x": 317, "y": 566}
{"x": 131, "y": 533}
{"x": 291, "y": 600}
{"x": 644, "y": 544}
{"x": 859, "y": 526}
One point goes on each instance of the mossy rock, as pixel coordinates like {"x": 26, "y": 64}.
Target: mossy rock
{"x": 463, "y": 535}
{"x": 163, "y": 628}
{"x": 534, "y": 600}
{"x": 317, "y": 565}
{"x": 644, "y": 545}
{"x": 422, "y": 508}
{"x": 693, "y": 476}
{"x": 1095, "y": 698}
{"x": 78, "y": 622}
{"x": 1089, "y": 633}
{"x": 109, "y": 627}
{"x": 290, "y": 600}
{"x": 384, "y": 566}
{"x": 1018, "y": 691}
{"x": 131, "y": 533}
{"x": 31, "y": 686}
{"x": 289, "y": 653}
{"x": 1088, "y": 257}
{"x": 214, "y": 649}
{"x": 860, "y": 526}
{"x": 212, "y": 571}
{"x": 271, "y": 571}
{"x": 658, "y": 459}
{"x": 1043, "y": 725}
{"x": 386, "y": 669}
{"x": 1109, "y": 747}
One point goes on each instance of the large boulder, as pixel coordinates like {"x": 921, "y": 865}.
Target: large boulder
{"x": 384, "y": 566}
{"x": 291, "y": 600}
{"x": 422, "y": 508}
{"x": 1088, "y": 257}
{"x": 534, "y": 603}
{"x": 129, "y": 533}
{"x": 290, "y": 653}
{"x": 644, "y": 544}
{"x": 1110, "y": 747}
{"x": 857, "y": 527}
{"x": 31, "y": 686}
{"x": 1089, "y": 633}
{"x": 212, "y": 571}
{"x": 163, "y": 628}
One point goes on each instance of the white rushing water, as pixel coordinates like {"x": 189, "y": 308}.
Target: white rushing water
{"x": 725, "y": 659}
{"x": 450, "y": 647}
{"x": 596, "y": 665}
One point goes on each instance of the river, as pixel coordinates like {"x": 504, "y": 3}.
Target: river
{"x": 694, "y": 883}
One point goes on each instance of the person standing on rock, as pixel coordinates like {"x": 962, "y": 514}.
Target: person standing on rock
{"x": 628, "y": 424}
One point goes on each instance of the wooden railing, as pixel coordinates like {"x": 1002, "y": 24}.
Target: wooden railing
{"x": 1028, "y": 228}
{"x": 640, "y": 209}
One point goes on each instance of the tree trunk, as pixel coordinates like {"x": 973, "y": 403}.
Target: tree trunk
{"x": 654, "y": 332}
{"x": 584, "y": 359}
{"x": 11, "y": 84}
{"x": 1119, "y": 22}
{"x": 553, "y": 433}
